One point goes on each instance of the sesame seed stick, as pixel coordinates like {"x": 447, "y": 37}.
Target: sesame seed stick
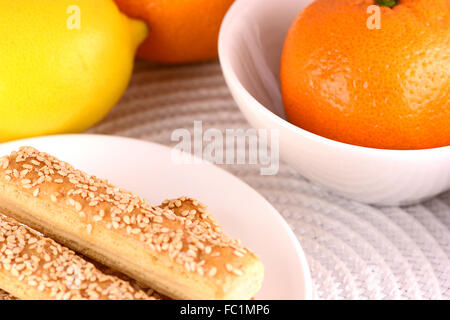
{"x": 45, "y": 265}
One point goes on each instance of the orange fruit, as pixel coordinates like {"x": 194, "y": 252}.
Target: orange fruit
{"x": 383, "y": 88}
{"x": 181, "y": 31}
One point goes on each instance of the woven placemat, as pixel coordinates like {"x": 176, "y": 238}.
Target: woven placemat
{"x": 355, "y": 251}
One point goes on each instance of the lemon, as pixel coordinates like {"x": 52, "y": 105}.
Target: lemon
{"x": 63, "y": 64}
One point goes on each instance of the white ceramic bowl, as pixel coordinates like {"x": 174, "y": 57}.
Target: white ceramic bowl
{"x": 250, "y": 46}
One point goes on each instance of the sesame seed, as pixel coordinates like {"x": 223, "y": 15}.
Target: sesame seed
{"x": 238, "y": 253}
{"x": 237, "y": 272}
{"x": 4, "y": 161}
{"x": 185, "y": 213}
{"x": 212, "y": 272}
{"x": 78, "y": 206}
{"x": 158, "y": 219}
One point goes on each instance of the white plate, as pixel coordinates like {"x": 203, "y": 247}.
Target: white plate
{"x": 147, "y": 169}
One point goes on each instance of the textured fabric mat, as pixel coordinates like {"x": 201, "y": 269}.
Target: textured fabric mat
{"x": 355, "y": 251}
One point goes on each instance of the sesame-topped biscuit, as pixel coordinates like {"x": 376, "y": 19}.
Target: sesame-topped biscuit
{"x": 35, "y": 267}
{"x": 178, "y": 248}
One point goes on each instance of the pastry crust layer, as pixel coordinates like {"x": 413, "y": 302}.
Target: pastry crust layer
{"x": 6, "y": 296}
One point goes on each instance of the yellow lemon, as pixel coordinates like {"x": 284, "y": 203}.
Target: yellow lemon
{"x": 63, "y": 64}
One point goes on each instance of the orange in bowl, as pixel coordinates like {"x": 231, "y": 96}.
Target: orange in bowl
{"x": 181, "y": 31}
{"x": 382, "y": 86}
